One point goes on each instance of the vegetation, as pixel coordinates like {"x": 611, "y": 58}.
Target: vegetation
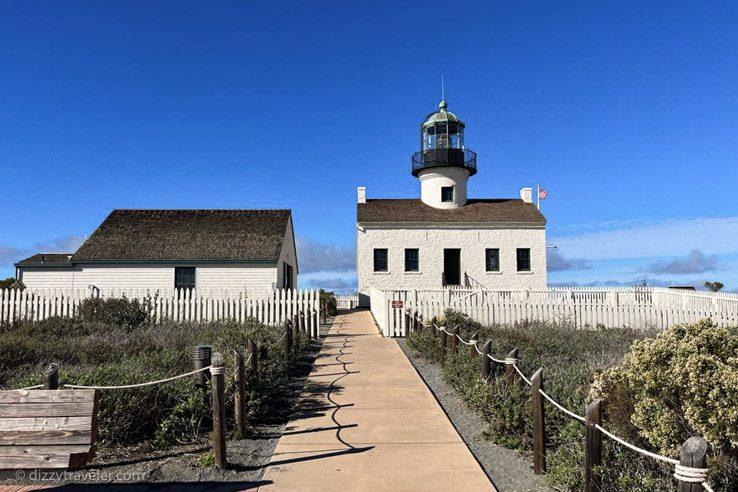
{"x": 714, "y": 286}
{"x": 11, "y": 283}
{"x": 652, "y": 377}
{"x": 329, "y": 298}
{"x": 116, "y": 343}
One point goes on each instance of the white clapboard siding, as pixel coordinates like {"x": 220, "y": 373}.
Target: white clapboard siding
{"x": 638, "y": 308}
{"x": 201, "y": 305}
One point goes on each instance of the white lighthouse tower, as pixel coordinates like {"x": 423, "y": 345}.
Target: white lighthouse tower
{"x": 443, "y": 164}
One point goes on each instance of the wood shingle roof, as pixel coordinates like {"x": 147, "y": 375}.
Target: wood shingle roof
{"x": 187, "y": 235}
{"x": 496, "y": 211}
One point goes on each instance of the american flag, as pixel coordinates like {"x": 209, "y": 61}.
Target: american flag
{"x": 542, "y": 194}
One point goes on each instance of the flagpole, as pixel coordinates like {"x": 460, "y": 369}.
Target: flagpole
{"x": 538, "y": 196}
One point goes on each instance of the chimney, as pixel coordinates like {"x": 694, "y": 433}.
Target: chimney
{"x": 526, "y": 194}
{"x": 361, "y": 194}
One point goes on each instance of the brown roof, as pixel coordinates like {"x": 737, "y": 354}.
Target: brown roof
{"x": 499, "y": 211}
{"x": 189, "y": 235}
{"x": 49, "y": 259}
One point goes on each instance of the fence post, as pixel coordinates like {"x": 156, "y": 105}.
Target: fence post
{"x": 287, "y": 342}
{"x": 202, "y": 359}
{"x": 694, "y": 455}
{"x": 509, "y": 369}
{"x": 51, "y": 377}
{"x": 238, "y": 399}
{"x": 539, "y": 432}
{"x": 407, "y": 323}
{"x": 592, "y": 447}
{"x": 254, "y": 353}
{"x": 486, "y": 361}
{"x": 442, "y": 343}
{"x": 473, "y": 347}
{"x": 217, "y": 370}
{"x": 455, "y": 340}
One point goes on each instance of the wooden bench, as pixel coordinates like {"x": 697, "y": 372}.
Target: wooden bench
{"x": 47, "y": 428}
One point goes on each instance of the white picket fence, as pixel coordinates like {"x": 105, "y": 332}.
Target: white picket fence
{"x": 269, "y": 307}
{"x": 638, "y": 308}
{"x": 347, "y": 302}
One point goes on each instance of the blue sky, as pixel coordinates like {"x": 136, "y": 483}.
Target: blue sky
{"x": 626, "y": 112}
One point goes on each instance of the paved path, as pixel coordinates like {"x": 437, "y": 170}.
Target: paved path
{"x": 367, "y": 422}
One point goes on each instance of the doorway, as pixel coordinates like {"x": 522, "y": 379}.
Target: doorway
{"x": 451, "y": 267}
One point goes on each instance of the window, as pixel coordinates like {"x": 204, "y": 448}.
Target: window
{"x": 412, "y": 260}
{"x": 492, "y": 259}
{"x": 287, "y": 276}
{"x": 380, "y": 260}
{"x": 523, "y": 259}
{"x": 184, "y": 278}
{"x": 447, "y": 193}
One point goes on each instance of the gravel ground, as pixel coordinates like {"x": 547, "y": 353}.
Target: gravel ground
{"x": 177, "y": 468}
{"x": 509, "y": 470}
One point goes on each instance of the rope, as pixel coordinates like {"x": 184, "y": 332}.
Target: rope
{"x": 29, "y": 387}
{"x": 563, "y": 409}
{"x": 217, "y": 370}
{"x": 150, "y": 383}
{"x": 689, "y": 474}
{"x": 636, "y": 448}
{"x": 465, "y": 342}
{"x": 520, "y": 373}
{"x": 681, "y": 472}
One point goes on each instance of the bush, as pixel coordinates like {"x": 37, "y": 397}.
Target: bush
{"x": 99, "y": 354}
{"x": 330, "y": 299}
{"x": 116, "y": 311}
{"x": 682, "y": 383}
{"x": 569, "y": 357}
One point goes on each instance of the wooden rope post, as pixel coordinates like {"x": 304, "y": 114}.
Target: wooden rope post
{"x": 239, "y": 400}
{"x": 539, "y": 432}
{"x": 455, "y": 340}
{"x": 287, "y": 342}
{"x": 201, "y": 357}
{"x": 254, "y": 353}
{"x": 486, "y": 361}
{"x": 592, "y": 447}
{"x": 219, "y": 422}
{"x": 474, "y": 339}
{"x": 433, "y": 327}
{"x": 416, "y": 323}
{"x": 694, "y": 455}
{"x": 407, "y": 323}
{"x": 442, "y": 345}
{"x": 51, "y": 377}
{"x": 509, "y": 369}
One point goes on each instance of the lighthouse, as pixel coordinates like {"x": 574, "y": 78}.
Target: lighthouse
{"x": 444, "y": 164}
{"x": 446, "y": 239}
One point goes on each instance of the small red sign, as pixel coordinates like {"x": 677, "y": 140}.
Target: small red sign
{"x": 397, "y": 304}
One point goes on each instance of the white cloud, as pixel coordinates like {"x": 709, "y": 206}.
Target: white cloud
{"x": 695, "y": 262}
{"x": 674, "y": 237}
{"x": 315, "y": 256}
{"x": 555, "y": 262}
{"x": 11, "y": 254}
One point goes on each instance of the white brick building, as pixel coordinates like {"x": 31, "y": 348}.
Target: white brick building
{"x": 444, "y": 238}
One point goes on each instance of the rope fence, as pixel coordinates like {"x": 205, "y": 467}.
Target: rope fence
{"x": 682, "y": 472}
{"x": 210, "y": 373}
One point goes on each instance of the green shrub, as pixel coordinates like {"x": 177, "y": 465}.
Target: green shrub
{"x": 115, "y": 311}
{"x": 682, "y": 383}
{"x": 569, "y": 357}
{"x": 330, "y": 299}
{"x": 94, "y": 353}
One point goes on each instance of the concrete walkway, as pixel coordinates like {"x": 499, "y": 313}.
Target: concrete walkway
{"x": 367, "y": 422}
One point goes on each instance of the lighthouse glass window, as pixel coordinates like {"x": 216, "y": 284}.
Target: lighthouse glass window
{"x": 380, "y": 260}
{"x": 523, "y": 259}
{"x": 447, "y": 193}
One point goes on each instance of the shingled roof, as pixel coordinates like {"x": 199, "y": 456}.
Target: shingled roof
{"x": 498, "y": 211}
{"x": 46, "y": 259}
{"x": 187, "y": 235}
